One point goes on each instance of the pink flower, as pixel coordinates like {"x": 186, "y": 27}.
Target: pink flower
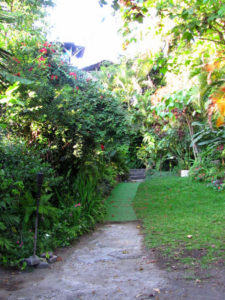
{"x": 49, "y": 65}
{"x": 78, "y": 204}
{"x": 17, "y": 242}
{"x": 73, "y": 74}
{"x": 220, "y": 148}
{"x": 41, "y": 59}
{"x": 219, "y": 187}
{"x": 53, "y": 50}
{"x": 77, "y": 87}
{"x": 101, "y": 97}
{"x": 43, "y": 50}
{"x": 88, "y": 79}
{"x": 54, "y": 77}
{"x": 31, "y": 68}
{"x": 46, "y": 44}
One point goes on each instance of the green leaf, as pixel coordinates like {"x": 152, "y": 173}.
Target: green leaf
{"x": 221, "y": 12}
{"x": 2, "y": 226}
{"x": 187, "y": 36}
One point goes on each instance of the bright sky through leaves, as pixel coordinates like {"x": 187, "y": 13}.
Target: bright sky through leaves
{"x": 85, "y": 23}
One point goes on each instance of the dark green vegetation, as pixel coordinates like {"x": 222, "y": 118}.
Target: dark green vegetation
{"x": 53, "y": 119}
{"x": 119, "y": 204}
{"x": 183, "y": 220}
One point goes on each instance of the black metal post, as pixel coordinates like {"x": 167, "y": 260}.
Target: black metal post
{"x": 40, "y": 177}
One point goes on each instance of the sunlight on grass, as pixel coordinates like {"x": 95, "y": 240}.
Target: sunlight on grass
{"x": 183, "y": 219}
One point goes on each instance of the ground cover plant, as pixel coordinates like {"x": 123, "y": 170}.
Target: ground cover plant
{"x": 183, "y": 220}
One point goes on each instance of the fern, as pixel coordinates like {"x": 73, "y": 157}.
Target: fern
{"x": 9, "y": 219}
{"x": 2, "y": 226}
{"x": 5, "y": 243}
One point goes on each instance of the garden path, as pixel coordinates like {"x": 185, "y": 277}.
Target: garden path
{"x": 111, "y": 263}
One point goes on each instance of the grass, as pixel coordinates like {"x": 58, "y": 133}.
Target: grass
{"x": 183, "y": 220}
{"x": 119, "y": 203}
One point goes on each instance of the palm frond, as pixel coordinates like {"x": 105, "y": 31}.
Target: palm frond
{"x": 7, "y": 17}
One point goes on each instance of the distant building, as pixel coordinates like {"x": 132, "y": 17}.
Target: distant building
{"x": 97, "y": 66}
{"x": 70, "y": 50}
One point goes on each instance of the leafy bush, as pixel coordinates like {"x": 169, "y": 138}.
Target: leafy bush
{"x": 19, "y": 166}
{"x": 67, "y": 127}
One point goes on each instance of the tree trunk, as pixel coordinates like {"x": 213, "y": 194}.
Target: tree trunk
{"x": 191, "y": 132}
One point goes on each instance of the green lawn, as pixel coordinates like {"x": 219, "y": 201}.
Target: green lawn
{"x": 119, "y": 203}
{"x": 183, "y": 220}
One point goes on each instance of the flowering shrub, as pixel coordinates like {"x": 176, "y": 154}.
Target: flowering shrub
{"x": 62, "y": 119}
{"x": 208, "y": 171}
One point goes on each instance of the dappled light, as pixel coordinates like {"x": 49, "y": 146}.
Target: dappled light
{"x": 154, "y": 114}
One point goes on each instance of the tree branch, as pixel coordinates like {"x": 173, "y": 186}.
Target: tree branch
{"x": 214, "y": 41}
{"x": 220, "y": 25}
{"x": 219, "y": 32}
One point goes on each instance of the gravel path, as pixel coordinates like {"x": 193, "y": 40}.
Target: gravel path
{"x": 111, "y": 263}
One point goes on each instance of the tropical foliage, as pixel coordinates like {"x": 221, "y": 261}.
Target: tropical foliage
{"x": 56, "y": 120}
{"x": 164, "y": 108}
{"x": 179, "y": 102}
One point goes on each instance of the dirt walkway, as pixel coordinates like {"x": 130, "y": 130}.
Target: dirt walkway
{"x": 111, "y": 263}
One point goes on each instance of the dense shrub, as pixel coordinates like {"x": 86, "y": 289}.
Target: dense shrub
{"x": 73, "y": 131}
{"x": 19, "y": 166}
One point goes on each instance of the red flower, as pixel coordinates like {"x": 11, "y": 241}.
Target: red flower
{"x": 53, "y": 50}
{"x": 102, "y": 147}
{"x": 41, "y": 59}
{"x": 43, "y": 50}
{"x": 49, "y": 65}
{"x": 16, "y": 60}
{"x": 31, "y": 68}
{"x": 54, "y": 77}
{"x": 220, "y": 148}
{"x": 73, "y": 74}
{"x": 46, "y": 44}
{"x": 17, "y": 74}
{"x": 77, "y": 87}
